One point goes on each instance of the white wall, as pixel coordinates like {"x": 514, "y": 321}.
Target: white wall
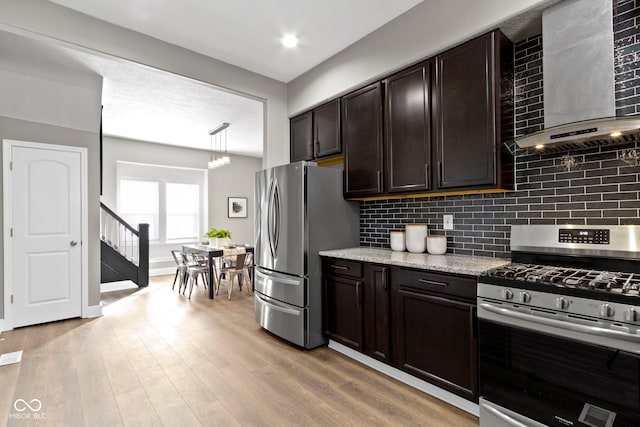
{"x": 49, "y": 21}
{"x": 31, "y": 98}
{"x": 234, "y": 180}
{"x": 430, "y": 27}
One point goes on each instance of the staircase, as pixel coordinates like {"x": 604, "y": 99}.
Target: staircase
{"x": 124, "y": 251}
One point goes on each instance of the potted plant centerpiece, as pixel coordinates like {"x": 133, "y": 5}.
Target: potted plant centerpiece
{"x": 219, "y": 238}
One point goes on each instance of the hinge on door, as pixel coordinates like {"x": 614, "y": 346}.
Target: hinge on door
{"x": 11, "y": 232}
{"x": 10, "y": 166}
{"x": 11, "y": 298}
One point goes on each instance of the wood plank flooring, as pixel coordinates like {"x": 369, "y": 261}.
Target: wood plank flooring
{"x": 157, "y": 358}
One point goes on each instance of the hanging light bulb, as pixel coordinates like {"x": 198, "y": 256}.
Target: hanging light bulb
{"x": 216, "y": 145}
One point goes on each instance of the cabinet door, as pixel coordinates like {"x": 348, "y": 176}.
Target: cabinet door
{"x": 465, "y": 111}
{"x": 343, "y": 310}
{"x": 437, "y": 341}
{"x": 376, "y": 313}
{"x": 301, "y": 138}
{"x": 326, "y": 129}
{"x": 408, "y": 130}
{"x": 362, "y": 139}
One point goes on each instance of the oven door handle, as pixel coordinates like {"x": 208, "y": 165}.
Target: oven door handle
{"x": 607, "y": 333}
{"x": 503, "y": 417}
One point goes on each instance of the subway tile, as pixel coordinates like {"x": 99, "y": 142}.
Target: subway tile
{"x": 586, "y": 197}
{"x": 542, "y": 221}
{"x": 602, "y": 221}
{"x": 586, "y": 214}
{"x": 620, "y": 213}
{"x": 620, "y": 196}
{"x": 602, "y": 205}
{"x": 629, "y": 221}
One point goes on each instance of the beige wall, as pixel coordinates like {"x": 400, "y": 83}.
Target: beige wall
{"x": 428, "y": 28}
{"x": 234, "y": 180}
{"x": 48, "y": 21}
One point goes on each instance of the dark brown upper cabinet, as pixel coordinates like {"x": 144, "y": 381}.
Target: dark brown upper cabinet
{"x": 316, "y": 133}
{"x": 473, "y": 111}
{"x": 326, "y": 129}
{"x": 408, "y": 129}
{"x": 301, "y": 138}
{"x": 362, "y": 139}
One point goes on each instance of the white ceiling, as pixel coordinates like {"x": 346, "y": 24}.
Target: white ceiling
{"x": 247, "y": 33}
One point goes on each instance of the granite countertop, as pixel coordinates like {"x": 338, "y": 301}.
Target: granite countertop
{"x": 458, "y": 264}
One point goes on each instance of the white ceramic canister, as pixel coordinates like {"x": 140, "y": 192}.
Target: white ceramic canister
{"x": 416, "y": 237}
{"x": 437, "y": 245}
{"x": 397, "y": 240}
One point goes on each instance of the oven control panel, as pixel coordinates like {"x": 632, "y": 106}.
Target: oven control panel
{"x": 590, "y": 236}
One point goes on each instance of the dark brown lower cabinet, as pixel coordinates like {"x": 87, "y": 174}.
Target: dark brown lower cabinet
{"x": 344, "y": 310}
{"x": 435, "y": 333}
{"x": 376, "y": 312}
{"x": 418, "y": 321}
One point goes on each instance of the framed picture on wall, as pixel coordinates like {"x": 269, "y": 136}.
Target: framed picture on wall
{"x": 237, "y": 207}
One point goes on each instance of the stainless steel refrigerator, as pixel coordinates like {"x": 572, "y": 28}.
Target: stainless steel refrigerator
{"x": 300, "y": 211}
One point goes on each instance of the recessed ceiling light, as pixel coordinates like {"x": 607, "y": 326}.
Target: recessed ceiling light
{"x": 539, "y": 146}
{"x": 616, "y": 134}
{"x": 289, "y": 41}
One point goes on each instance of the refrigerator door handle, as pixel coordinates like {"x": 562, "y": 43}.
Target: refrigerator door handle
{"x": 276, "y": 225}
{"x": 273, "y": 218}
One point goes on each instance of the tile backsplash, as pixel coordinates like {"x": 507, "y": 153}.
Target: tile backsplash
{"x": 601, "y": 190}
{"x": 592, "y": 187}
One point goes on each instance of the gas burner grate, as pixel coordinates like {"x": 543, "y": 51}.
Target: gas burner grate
{"x": 602, "y": 281}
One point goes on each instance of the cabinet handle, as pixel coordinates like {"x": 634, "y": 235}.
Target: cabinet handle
{"x": 339, "y": 267}
{"x": 426, "y": 176}
{"x": 431, "y": 282}
{"x": 358, "y": 294}
{"x": 384, "y": 279}
{"x": 473, "y": 323}
{"x": 379, "y": 180}
{"x": 440, "y": 174}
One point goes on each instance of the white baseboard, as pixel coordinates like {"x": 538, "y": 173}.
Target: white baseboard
{"x": 161, "y": 271}
{"x": 92, "y": 311}
{"x": 117, "y": 286}
{"x": 410, "y": 380}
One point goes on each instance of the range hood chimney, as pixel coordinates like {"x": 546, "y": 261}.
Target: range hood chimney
{"x": 578, "y": 80}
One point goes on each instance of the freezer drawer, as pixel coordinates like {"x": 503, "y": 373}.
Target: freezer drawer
{"x": 283, "y": 287}
{"x": 286, "y": 321}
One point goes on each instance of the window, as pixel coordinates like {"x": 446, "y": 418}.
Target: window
{"x": 139, "y": 204}
{"x": 171, "y": 200}
{"x": 182, "y": 211}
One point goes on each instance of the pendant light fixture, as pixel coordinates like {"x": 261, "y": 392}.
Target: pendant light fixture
{"x": 218, "y": 139}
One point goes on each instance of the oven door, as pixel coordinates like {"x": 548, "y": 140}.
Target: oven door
{"x": 552, "y": 378}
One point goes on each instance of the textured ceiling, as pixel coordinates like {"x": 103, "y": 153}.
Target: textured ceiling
{"x": 141, "y": 102}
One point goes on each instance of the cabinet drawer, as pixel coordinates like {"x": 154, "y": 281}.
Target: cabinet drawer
{"x": 464, "y": 287}
{"x": 341, "y": 267}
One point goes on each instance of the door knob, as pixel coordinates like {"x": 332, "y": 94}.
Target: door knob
{"x": 73, "y": 243}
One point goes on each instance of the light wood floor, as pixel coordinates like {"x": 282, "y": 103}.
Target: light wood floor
{"x": 157, "y": 358}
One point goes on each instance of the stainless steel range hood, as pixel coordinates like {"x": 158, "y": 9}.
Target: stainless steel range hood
{"x": 584, "y": 134}
{"x": 578, "y": 80}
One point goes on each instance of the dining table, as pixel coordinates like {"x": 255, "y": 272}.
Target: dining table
{"x": 211, "y": 254}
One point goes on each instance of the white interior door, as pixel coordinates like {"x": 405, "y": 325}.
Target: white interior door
{"x": 46, "y": 227}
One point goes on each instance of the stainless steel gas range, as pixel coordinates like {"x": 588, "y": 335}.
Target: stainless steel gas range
{"x": 559, "y": 329}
